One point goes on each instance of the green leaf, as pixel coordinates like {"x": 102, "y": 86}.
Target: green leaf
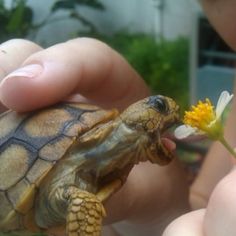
{"x": 17, "y": 16}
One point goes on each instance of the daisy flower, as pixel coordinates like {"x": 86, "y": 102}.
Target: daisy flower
{"x": 204, "y": 119}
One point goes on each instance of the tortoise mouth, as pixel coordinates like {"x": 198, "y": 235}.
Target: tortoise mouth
{"x": 167, "y": 138}
{"x": 168, "y": 143}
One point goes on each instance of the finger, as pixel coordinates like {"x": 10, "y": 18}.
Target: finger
{"x": 221, "y": 210}
{"x": 215, "y": 167}
{"x": 13, "y": 53}
{"x": 83, "y": 66}
{"x": 189, "y": 224}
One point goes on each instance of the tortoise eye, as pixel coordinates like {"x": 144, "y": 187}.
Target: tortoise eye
{"x": 158, "y": 103}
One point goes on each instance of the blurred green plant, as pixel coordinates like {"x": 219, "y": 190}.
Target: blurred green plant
{"x": 16, "y": 19}
{"x": 163, "y": 64}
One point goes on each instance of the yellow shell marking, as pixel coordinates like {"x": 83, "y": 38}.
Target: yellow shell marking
{"x": 46, "y": 124}
{"x": 14, "y": 159}
{"x": 9, "y": 121}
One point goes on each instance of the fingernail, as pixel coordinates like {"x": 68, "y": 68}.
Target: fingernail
{"x": 29, "y": 71}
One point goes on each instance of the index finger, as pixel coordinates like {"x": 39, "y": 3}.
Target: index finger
{"x": 12, "y": 54}
{"x": 83, "y": 67}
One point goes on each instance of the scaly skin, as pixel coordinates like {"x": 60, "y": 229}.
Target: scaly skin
{"x": 85, "y": 214}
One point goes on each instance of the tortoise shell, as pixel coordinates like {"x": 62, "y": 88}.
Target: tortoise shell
{"x": 30, "y": 145}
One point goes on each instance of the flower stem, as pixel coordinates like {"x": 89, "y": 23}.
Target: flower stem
{"x": 227, "y": 146}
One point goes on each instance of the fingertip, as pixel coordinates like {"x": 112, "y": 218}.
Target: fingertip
{"x": 16, "y": 95}
{"x": 189, "y": 224}
{"x": 221, "y": 210}
{"x": 13, "y": 52}
{"x": 34, "y": 86}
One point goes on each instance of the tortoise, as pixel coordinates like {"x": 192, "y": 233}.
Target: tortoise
{"x": 59, "y": 164}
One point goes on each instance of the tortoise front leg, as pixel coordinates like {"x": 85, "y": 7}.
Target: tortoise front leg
{"x": 85, "y": 210}
{"x": 85, "y": 213}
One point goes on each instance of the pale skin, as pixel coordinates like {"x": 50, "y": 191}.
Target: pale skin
{"x": 89, "y": 71}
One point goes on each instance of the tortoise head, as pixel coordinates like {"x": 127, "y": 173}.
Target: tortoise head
{"x": 150, "y": 117}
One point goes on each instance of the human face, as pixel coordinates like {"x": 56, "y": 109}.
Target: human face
{"x": 222, "y": 15}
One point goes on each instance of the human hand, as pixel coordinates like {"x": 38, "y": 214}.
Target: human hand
{"x": 218, "y": 218}
{"x": 86, "y": 70}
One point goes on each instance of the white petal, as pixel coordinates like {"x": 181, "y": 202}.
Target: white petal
{"x": 223, "y": 101}
{"x": 184, "y": 131}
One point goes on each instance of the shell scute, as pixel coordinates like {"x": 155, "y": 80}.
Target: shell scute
{"x": 56, "y": 149}
{"x": 9, "y": 122}
{"x": 42, "y": 127}
{"x": 39, "y": 169}
{"x": 16, "y": 157}
{"x": 22, "y": 196}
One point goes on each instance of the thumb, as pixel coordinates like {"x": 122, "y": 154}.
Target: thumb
{"x": 81, "y": 66}
{"x": 221, "y": 211}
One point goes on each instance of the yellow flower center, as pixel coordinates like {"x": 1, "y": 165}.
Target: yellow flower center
{"x": 200, "y": 116}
